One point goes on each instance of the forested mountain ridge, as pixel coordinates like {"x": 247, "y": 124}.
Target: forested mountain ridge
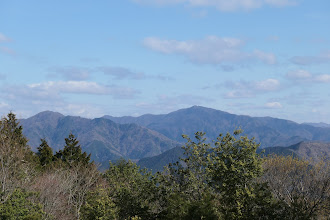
{"x": 222, "y": 179}
{"x": 268, "y": 131}
{"x": 103, "y": 138}
{"x": 150, "y": 135}
{"x": 314, "y": 151}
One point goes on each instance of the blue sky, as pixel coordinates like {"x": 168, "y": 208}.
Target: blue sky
{"x": 132, "y": 57}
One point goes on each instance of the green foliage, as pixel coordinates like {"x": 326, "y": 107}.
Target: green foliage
{"x": 11, "y": 136}
{"x": 45, "y": 153}
{"x": 180, "y": 206}
{"x": 230, "y": 169}
{"x": 223, "y": 179}
{"x": 19, "y": 206}
{"x": 11, "y": 129}
{"x": 98, "y": 206}
{"x": 72, "y": 153}
{"x": 133, "y": 190}
{"x": 16, "y": 158}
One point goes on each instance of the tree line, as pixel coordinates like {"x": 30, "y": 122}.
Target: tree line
{"x": 221, "y": 179}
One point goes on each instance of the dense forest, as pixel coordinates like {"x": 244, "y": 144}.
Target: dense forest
{"x": 222, "y": 179}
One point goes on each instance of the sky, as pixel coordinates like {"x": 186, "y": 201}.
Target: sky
{"x": 132, "y": 57}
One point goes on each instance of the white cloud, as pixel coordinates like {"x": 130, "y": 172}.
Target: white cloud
{"x": 72, "y": 87}
{"x": 237, "y": 94}
{"x": 268, "y": 58}
{"x": 52, "y": 95}
{"x": 53, "y": 91}
{"x": 299, "y": 75}
{"x": 266, "y": 85}
{"x": 3, "y": 38}
{"x": 3, "y": 105}
{"x": 210, "y": 50}
{"x": 273, "y": 105}
{"x": 248, "y": 89}
{"x": 222, "y": 5}
{"x": 323, "y": 78}
{"x": 79, "y": 109}
{"x": 304, "y": 76}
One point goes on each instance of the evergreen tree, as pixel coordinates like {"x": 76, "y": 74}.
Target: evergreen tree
{"x": 19, "y": 206}
{"x": 16, "y": 158}
{"x": 45, "y": 153}
{"x": 12, "y": 131}
{"x": 72, "y": 153}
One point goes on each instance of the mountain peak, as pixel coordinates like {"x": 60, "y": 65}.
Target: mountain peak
{"x": 48, "y": 114}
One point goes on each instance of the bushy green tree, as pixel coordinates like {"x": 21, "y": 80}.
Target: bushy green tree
{"x": 19, "y": 206}
{"x": 132, "y": 190}
{"x": 228, "y": 169}
{"x": 99, "y": 206}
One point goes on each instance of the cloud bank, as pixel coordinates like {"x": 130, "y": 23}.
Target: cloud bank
{"x": 210, "y": 50}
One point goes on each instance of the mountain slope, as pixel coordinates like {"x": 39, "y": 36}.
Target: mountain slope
{"x": 308, "y": 150}
{"x": 319, "y": 125}
{"x": 268, "y": 131}
{"x": 105, "y": 139}
{"x": 315, "y": 151}
{"x": 158, "y": 162}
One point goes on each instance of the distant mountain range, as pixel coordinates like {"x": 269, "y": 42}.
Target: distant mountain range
{"x": 103, "y": 138}
{"x": 314, "y": 151}
{"x": 109, "y": 138}
{"x": 268, "y": 131}
{"x": 319, "y": 125}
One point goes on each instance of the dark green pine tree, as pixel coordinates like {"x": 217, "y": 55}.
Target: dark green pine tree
{"x": 72, "y": 153}
{"x": 11, "y": 129}
{"x": 11, "y": 133}
{"x": 45, "y": 153}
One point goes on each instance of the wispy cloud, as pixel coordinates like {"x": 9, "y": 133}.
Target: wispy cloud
{"x": 273, "y": 105}
{"x": 121, "y": 73}
{"x": 248, "y": 89}
{"x": 166, "y": 103}
{"x": 223, "y": 5}
{"x": 311, "y": 60}
{"x": 70, "y": 72}
{"x": 4, "y": 38}
{"x": 8, "y": 51}
{"x": 210, "y": 50}
{"x": 303, "y": 76}
{"x": 53, "y": 90}
{"x": 84, "y": 87}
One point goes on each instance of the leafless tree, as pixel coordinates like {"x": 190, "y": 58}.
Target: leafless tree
{"x": 301, "y": 184}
